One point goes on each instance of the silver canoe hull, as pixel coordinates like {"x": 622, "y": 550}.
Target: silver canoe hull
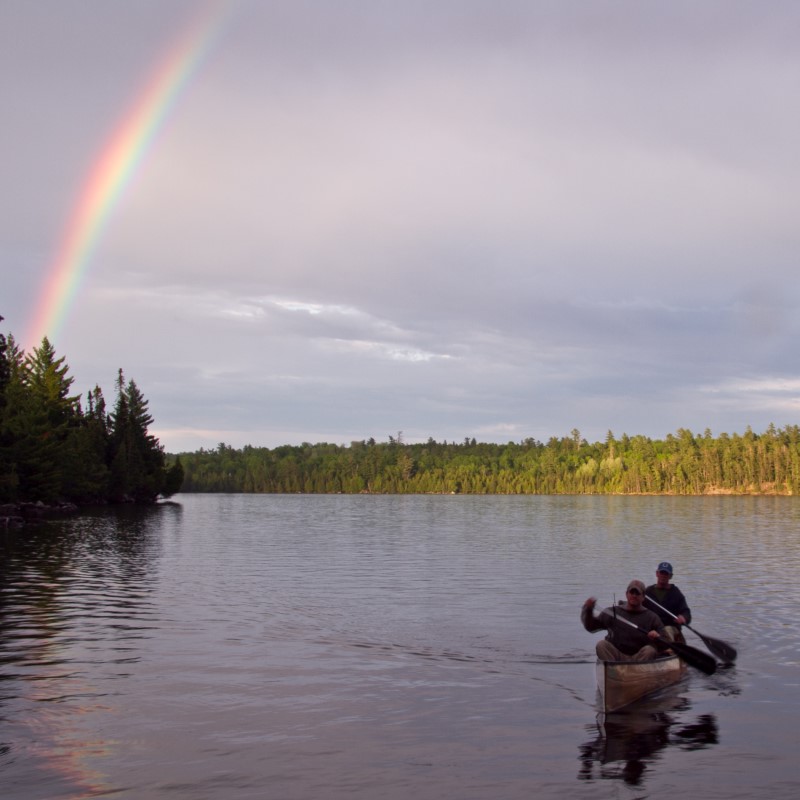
{"x": 623, "y": 682}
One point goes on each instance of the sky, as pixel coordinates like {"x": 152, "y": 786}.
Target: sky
{"x": 328, "y": 220}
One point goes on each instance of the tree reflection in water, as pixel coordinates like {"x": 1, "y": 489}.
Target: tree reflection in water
{"x": 627, "y": 744}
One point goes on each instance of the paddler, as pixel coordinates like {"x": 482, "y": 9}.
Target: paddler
{"x": 622, "y": 642}
{"x": 674, "y": 610}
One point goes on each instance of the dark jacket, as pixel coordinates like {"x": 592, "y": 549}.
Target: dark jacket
{"x": 672, "y": 599}
{"x": 626, "y": 639}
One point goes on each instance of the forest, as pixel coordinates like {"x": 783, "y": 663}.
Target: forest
{"x": 683, "y": 463}
{"x": 55, "y": 450}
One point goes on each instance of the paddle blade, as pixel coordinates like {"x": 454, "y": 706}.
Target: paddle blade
{"x": 722, "y": 650}
{"x": 694, "y": 657}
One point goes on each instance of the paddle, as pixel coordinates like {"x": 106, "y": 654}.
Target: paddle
{"x": 722, "y": 650}
{"x": 691, "y": 655}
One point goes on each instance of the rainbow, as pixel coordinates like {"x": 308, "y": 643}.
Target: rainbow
{"x": 112, "y": 171}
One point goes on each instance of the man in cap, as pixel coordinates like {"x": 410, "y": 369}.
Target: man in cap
{"x": 622, "y": 642}
{"x": 674, "y": 610}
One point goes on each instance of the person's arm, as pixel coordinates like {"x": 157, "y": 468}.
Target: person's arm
{"x": 682, "y": 613}
{"x": 589, "y": 620}
{"x": 650, "y": 624}
{"x": 657, "y": 629}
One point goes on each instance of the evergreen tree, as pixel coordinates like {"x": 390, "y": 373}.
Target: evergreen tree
{"x": 58, "y": 412}
{"x": 5, "y": 369}
{"x": 29, "y": 439}
{"x": 173, "y": 480}
{"x": 87, "y": 479}
{"x": 49, "y": 384}
{"x": 136, "y": 459}
{"x": 8, "y": 479}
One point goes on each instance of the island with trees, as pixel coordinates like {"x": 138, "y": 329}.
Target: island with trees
{"x": 57, "y": 451}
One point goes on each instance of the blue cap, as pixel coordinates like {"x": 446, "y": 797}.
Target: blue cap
{"x": 665, "y": 566}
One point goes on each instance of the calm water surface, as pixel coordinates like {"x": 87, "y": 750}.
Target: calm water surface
{"x": 237, "y": 646}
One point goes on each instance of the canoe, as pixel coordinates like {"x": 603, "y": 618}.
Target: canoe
{"x": 623, "y": 682}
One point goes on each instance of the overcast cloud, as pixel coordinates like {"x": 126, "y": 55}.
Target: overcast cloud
{"x": 452, "y": 219}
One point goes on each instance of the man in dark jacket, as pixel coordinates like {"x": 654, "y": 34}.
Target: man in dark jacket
{"x": 623, "y": 642}
{"x": 674, "y": 610}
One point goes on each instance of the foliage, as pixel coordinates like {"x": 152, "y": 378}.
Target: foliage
{"x": 51, "y": 450}
{"x": 683, "y": 463}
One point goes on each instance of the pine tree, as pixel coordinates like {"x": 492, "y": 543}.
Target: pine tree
{"x": 29, "y": 439}
{"x": 87, "y": 477}
{"x": 173, "y": 480}
{"x": 136, "y": 459}
{"x": 8, "y": 477}
{"x": 49, "y": 384}
{"x": 57, "y": 413}
{"x": 5, "y": 369}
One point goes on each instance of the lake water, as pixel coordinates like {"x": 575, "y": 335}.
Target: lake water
{"x": 292, "y": 647}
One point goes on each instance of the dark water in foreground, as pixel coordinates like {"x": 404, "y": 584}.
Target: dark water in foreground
{"x": 228, "y": 646}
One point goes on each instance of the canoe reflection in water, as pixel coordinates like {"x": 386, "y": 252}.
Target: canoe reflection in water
{"x": 627, "y": 744}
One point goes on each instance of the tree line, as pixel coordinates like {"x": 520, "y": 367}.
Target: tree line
{"x": 683, "y": 463}
{"x": 54, "y": 449}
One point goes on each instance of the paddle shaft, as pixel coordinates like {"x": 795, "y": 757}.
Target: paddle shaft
{"x": 721, "y": 649}
{"x": 641, "y": 630}
{"x": 666, "y": 610}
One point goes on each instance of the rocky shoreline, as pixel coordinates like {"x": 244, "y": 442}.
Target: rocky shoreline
{"x": 14, "y": 516}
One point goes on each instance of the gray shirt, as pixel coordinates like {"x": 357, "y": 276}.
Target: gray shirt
{"x": 626, "y": 639}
